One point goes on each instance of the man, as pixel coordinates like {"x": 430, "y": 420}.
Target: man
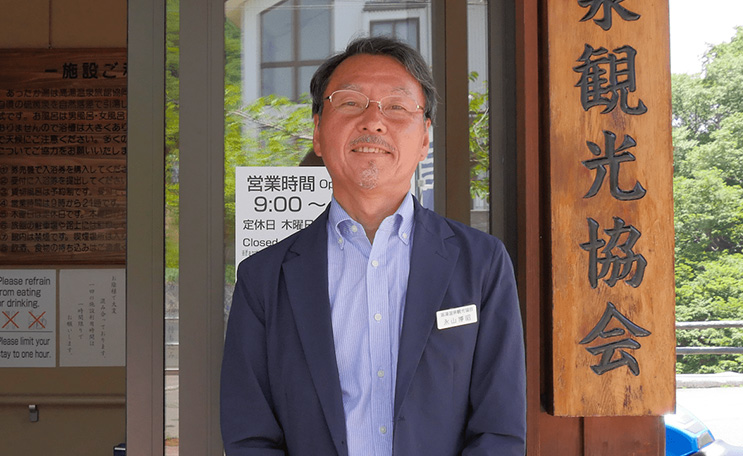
{"x": 382, "y": 328}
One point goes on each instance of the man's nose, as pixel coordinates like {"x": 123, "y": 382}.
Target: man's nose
{"x": 372, "y": 119}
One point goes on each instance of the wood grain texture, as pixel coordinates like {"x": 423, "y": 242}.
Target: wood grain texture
{"x": 577, "y": 307}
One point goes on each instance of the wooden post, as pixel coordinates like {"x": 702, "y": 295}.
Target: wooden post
{"x": 611, "y": 209}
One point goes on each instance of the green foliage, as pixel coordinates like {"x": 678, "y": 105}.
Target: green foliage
{"x": 693, "y": 106}
{"x": 702, "y": 101}
{"x": 232, "y": 57}
{"x": 479, "y": 140}
{"x": 708, "y": 215}
{"x": 723, "y": 66}
{"x": 708, "y": 203}
{"x": 172, "y": 145}
{"x": 683, "y": 143}
{"x": 713, "y": 290}
{"x": 724, "y": 152}
{"x": 271, "y": 131}
{"x": 277, "y": 131}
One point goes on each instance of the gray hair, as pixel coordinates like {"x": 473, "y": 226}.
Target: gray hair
{"x": 377, "y": 45}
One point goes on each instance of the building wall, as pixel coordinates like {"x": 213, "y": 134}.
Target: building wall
{"x": 62, "y": 23}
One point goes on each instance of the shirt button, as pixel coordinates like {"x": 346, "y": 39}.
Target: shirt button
{"x": 404, "y": 235}
{"x": 383, "y": 429}
{"x": 340, "y": 240}
{"x": 354, "y": 228}
{"x": 380, "y": 373}
{"x": 375, "y": 263}
{"x": 378, "y": 316}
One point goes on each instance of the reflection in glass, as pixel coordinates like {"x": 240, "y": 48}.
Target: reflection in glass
{"x": 405, "y": 30}
{"x": 382, "y": 28}
{"x": 276, "y": 33}
{"x": 293, "y": 34}
{"x": 479, "y": 113}
{"x": 314, "y": 28}
{"x": 172, "y": 217}
{"x": 408, "y": 32}
{"x": 277, "y": 81}
{"x": 305, "y": 75}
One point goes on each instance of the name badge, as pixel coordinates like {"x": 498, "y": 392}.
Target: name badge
{"x": 458, "y": 316}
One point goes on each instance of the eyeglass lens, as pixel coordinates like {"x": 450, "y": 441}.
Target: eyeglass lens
{"x": 352, "y": 102}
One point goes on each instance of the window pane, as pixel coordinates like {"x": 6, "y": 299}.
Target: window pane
{"x": 277, "y": 81}
{"x": 408, "y": 31}
{"x": 276, "y": 34}
{"x": 314, "y": 30}
{"x": 305, "y": 75}
{"x": 382, "y": 28}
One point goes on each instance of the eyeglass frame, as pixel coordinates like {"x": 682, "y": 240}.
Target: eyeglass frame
{"x": 369, "y": 101}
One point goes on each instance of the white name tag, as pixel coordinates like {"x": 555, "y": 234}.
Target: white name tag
{"x": 458, "y": 316}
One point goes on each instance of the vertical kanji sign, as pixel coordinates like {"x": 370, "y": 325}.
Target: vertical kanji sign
{"x": 611, "y": 208}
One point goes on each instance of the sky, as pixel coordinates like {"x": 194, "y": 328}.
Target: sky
{"x": 695, "y": 24}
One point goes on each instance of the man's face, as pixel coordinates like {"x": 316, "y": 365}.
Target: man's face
{"x": 369, "y": 154}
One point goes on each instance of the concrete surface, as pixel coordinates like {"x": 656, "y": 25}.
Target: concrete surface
{"x": 720, "y": 408}
{"x": 709, "y": 380}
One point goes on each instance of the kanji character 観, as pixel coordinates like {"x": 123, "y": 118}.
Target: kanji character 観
{"x": 598, "y": 90}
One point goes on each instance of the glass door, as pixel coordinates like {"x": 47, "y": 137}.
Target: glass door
{"x": 234, "y": 107}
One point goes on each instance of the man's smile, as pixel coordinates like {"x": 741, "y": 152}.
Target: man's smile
{"x": 369, "y": 150}
{"x": 371, "y": 144}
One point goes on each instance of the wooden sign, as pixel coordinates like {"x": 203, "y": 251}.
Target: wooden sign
{"x": 63, "y": 156}
{"x": 611, "y": 207}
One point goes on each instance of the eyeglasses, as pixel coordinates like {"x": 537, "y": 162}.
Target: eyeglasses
{"x": 353, "y": 103}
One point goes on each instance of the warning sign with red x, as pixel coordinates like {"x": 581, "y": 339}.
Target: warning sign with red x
{"x": 28, "y": 300}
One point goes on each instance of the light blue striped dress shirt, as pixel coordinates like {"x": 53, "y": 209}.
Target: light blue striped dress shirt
{"x": 367, "y": 284}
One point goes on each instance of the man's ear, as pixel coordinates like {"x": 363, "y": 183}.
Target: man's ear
{"x": 426, "y": 140}
{"x": 316, "y": 135}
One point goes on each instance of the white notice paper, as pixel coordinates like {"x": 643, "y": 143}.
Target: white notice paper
{"x": 92, "y": 317}
{"x": 27, "y": 318}
{"x": 272, "y": 203}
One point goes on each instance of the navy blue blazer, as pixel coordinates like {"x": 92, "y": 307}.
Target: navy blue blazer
{"x": 459, "y": 390}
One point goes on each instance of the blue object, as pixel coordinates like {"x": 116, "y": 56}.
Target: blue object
{"x": 685, "y": 434}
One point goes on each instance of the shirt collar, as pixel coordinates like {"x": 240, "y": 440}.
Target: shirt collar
{"x": 399, "y": 223}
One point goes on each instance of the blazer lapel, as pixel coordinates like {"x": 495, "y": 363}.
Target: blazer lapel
{"x": 306, "y": 281}
{"x": 432, "y": 262}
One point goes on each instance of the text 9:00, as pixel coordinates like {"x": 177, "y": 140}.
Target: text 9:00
{"x": 278, "y": 204}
